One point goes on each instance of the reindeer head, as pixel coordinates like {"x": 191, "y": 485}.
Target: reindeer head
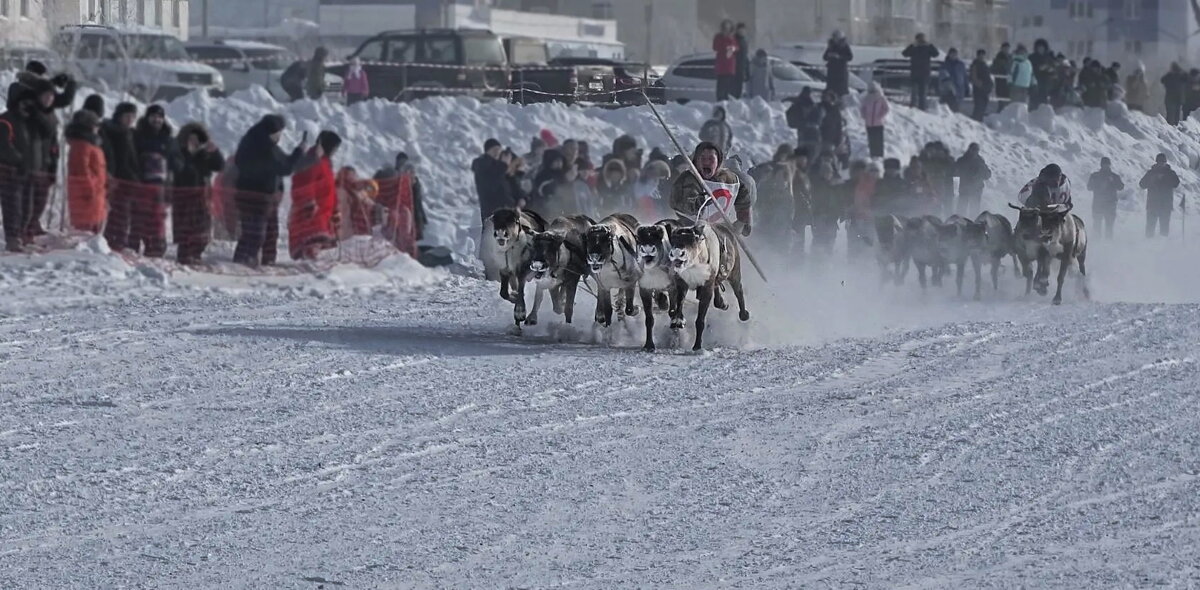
{"x": 1040, "y": 223}
{"x": 546, "y": 250}
{"x": 506, "y": 227}
{"x": 598, "y": 243}
{"x": 653, "y": 244}
{"x": 975, "y": 234}
{"x": 688, "y": 247}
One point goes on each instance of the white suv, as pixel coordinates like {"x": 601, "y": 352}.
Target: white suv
{"x": 147, "y": 62}
{"x": 248, "y": 63}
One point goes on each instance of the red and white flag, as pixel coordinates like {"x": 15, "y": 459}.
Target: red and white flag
{"x": 724, "y": 195}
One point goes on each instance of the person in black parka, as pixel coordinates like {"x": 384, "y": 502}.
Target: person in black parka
{"x": 491, "y": 183}
{"x": 158, "y": 155}
{"x": 261, "y": 166}
{"x": 191, "y": 215}
{"x": 1160, "y": 183}
{"x": 124, "y": 173}
{"x": 838, "y": 56}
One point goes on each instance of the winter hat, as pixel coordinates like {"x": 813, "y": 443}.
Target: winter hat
{"x": 656, "y": 169}
{"x": 329, "y": 141}
{"x": 85, "y": 118}
{"x": 623, "y": 143}
{"x": 272, "y": 123}
{"x": 1050, "y": 171}
{"x": 678, "y": 161}
{"x": 891, "y": 164}
{"x": 802, "y": 152}
{"x": 490, "y": 143}
{"x": 36, "y": 67}
{"x": 548, "y": 136}
{"x": 705, "y": 146}
{"x": 1105, "y": 161}
{"x": 155, "y": 109}
{"x": 536, "y": 144}
{"x": 123, "y": 109}
{"x": 657, "y": 155}
{"x": 401, "y": 158}
{"x": 95, "y": 104}
{"x": 1161, "y": 158}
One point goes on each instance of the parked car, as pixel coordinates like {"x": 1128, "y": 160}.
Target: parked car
{"x": 694, "y": 78}
{"x": 403, "y": 65}
{"x": 14, "y": 57}
{"x": 895, "y": 76}
{"x": 144, "y": 61}
{"x": 248, "y": 63}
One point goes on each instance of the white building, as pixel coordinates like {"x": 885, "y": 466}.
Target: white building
{"x": 23, "y": 23}
{"x": 169, "y": 15}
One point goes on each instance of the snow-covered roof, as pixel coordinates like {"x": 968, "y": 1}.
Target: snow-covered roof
{"x": 123, "y": 29}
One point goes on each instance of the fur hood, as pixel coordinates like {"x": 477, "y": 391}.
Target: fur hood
{"x": 194, "y": 127}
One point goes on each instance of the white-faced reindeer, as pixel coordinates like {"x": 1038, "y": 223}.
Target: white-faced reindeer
{"x": 510, "y": 249}
{"x": 1043, "y": 233}
{"x": 658, "y": 278}
{"x": 613, "y": 262}
{"x": 703, "y": 257}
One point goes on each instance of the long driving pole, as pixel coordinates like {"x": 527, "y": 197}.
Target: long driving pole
{"x": 692, "y": 166}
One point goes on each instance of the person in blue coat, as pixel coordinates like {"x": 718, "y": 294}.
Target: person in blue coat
{"x": 952, "y": 80}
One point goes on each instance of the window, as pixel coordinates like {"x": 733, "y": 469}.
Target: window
{"x": 787, "y": 72}
{"x": 158, "y": 12}
{"x": 176, "y": 8}
{"x": 482, "y": 50}
{"x": 1133, "y": 9}
{"x": 441, "y": 50}
{"x": 527, "y": 52}
{"x": 1037, "y": 21}
{"x": 602, "y": 10}
{"x": 24, "y": 7}
{"x": 1134, "y": 47}
{"x": 87, "y": 46}
{"x": 3, "y": 7}
{"x": 1091, "y": 9}
{"x": 701, "y": 69}
{"x": 402, "y": 51}
{"x": 269, "y": 59}
{"x": 221, "y": 58}
{"x": 373, "y": 51}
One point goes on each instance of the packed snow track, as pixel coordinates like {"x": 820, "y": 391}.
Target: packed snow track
{"x": 403, "y": 438}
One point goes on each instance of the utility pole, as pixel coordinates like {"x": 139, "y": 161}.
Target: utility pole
{"x": 204, "y": 18}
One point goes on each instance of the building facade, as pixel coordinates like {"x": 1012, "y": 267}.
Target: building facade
{"x": 169, "y": 15}
{"x": 1153, "y": 32}
{"x": 23, "y": 23}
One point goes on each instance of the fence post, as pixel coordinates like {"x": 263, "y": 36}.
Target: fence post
{"x": 521, "y": 73}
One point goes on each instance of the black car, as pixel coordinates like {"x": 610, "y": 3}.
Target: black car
{"x": 403, "y": 65}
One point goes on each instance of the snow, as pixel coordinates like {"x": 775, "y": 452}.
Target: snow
{"x": 384, "y": 427}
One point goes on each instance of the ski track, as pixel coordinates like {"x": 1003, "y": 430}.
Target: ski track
{"x": 188, "y": 438}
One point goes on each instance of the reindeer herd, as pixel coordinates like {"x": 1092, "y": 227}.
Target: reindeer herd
{"x": 1041, "y": 236}
{"x": 659, "y": 264}
{"x": 662, "y": 263}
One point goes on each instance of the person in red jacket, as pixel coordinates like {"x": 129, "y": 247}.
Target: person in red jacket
{"x": 314, "y": 200}
{"x": 725, "y": 45}
{"x": 87, "y": 173}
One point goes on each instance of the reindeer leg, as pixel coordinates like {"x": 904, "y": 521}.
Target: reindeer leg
{"x": 921, "y": 274}
{"x": 631, "y": 308}
{"x": 519, "y": 303}
{"x": 662, "y": 300}
{"x": 960, "y": 269}
{"x": 532, "y": 318}
{"x": 743, "y": 314}
{"x": 505, "y": 285}
{"x": 556, "y": 297}
{"x": 1064, "y": 264}
{"x": 569, "y": 289}
{"x": 705, "y": 294}
{"x": 719, "y": 299}
{"x": 1042, "y": 279}
{"x": 995, "y": 274}
{"x": 603, "y": 306}
{"x": 677, "y": 312}
{"x": 1027, "y": 270}
{"x": 647, "y": 295}
{"x": 1082, "y": 258}
{"x": 902, "y": 270}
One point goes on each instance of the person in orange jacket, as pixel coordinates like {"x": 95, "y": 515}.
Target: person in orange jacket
{"x": 356, "y": 203}
{"x": 87, "y": 173}
{"x": 314, "y": 200}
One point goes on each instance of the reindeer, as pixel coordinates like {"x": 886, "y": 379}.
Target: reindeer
{"x": 704, "y": 257}
{"x": 658, "y": 280}
{"x": 961, "y": 240}
{"x": 921, "y": 236}
{"x": 999, "y": 244}
{"x": 891, "y": 248}
{"x": 613, "y": 263}
{"x": 1049, "y": 232}
{"x": 558, "y": 263}
{"x": 509, "y": 251}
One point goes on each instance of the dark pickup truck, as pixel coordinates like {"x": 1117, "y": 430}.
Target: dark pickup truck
{"x": 570, "y": 79}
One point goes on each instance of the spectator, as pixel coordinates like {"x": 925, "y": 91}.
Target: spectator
{"x": 762, "y": 78}
{"x": 981, "y": 85}
{"x": 87, "y": 173}
{"x": 516, "y": 175}
{"x": 725, "y": 46}
{"x": 837, "y": 64}
{"x": 776, "y": 197}
{"x": 973, "y": 173}
{"x": 396, "y": 216}
{"x": 584, "y": 160}
{"x": 874, "y": 110}
{"x": 1002, "y": 70}
{"x": 717, "y": 131}
{"x": 551, "y": 183}
{"x": 1175, "y": 84}
{"x": 743, "y": 60}
{"x": 952, "y": 79}
{"x": 920, "y": 198}
{"x": 124, "y": 172}
{"x": 1113, "y": 73}
{"x": 892, "y": 189}
{"x": 861, "y": 226}
{"x": 1021, "y": 77}
{"x": 1045, "y": 74}
{"x": 828, "y": 203}
{"x": 313, "y": 219}
{"x": 15, "y": 156}
{"x": 357, "y": 212}
{"x": 625, "y": 149}
{"x": 1095, "y": 84}
{"x": 314, "y": 82}
{"x": 649, "y": 190}
{"x": 920, "y": 55}
{"x": 615, "y": 191}
{"x": 1160, "y": 183}
{"x": 95, "y": 104}
{"x": 1191, "y": 94}
{"x": 42, "y": 128}
{"x": 191, "y": 217}
{"x": 292, "y": 79}
{"x": 261, "y": 167}
{"x": 805, "y": 117}
{"x": 1137, "y": 91}
{"x": 356, "y": 87}
{"x": 159, "y": 156}
{"x": 938, "y": 166}
{"x": 1105, "y": 186}
{"x": 833, "y": 124}
{"x": 491, "y": 186}
{"x": 802, "y": 200}
{"x": 537, "y": 146}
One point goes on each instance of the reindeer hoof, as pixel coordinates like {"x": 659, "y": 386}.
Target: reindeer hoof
{"x": 649, "y": 347}
{"x": 696, "y": 347}
{"x": 744, "y": 316}
{"x": 721, "y": 305}
{"x": 1056, "y": 301}
{"x": 531, "y": 320}
{"x": 676, "y": 324}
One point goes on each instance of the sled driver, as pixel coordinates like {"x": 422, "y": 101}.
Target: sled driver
{"x": 688, "y": 195}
